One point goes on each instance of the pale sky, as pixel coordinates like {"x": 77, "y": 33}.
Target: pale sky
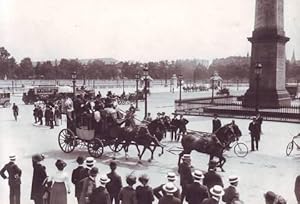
{"x": 142, "y": 30}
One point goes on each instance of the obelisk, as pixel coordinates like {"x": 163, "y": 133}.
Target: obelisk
{"x": 268, "y": 49}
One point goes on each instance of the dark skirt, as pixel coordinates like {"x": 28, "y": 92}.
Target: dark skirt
{"x": 58, "y": 193}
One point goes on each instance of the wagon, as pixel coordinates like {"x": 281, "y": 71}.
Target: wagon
{"x": 5, "y": 99}
{"x": 83, "y": 134}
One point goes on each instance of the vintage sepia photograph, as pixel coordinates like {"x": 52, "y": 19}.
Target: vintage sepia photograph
{"x": 149, "y": 102}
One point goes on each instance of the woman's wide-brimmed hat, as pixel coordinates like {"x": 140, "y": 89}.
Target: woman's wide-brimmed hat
{"x": 38, "y": 157}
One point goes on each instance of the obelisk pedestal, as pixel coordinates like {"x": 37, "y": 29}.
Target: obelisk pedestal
{"x": 268, "y": 48}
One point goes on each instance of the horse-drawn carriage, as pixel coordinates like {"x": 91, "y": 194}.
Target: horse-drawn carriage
{"x": 104, "y": 128}
{"x": 130, "y": 98}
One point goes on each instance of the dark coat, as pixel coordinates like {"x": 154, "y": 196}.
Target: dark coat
{"x": 100, "y": 196}
{"x": 182, "y": 124}
{"x": 169, "y": 199}
{"x": 211, "y": 178}
{"x": 196, "y": 193}
{"x": 216, "y": 124}
{"x": 144, "y": 195}
{"x": 77, "y": 175}
{"x": 185, "y": 174}
{"x": 39, "y": 176}
{"x": 87, "y": 186}
{"x": 297, "y": 188}
{"x": 158, "y": 190}
{"x": 128, "y": 195}
{"x": 230, "y": 195}
{"x": 14, "y": 174}
{"x": 115, "y": 184}
{"x": 254, "y": 129}
{"x": 209, "y": 201}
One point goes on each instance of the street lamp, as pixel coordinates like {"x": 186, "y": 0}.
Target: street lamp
{"x": 146, "y": 74}
{"x": 84, "y": 74}
{"x": 180, "y": 77}
{"x": 74, "y": 76}
{"x": 215, "y": 77}
{"x": 258, "y": 72}
{"x": 137, "y": 78}
{"x": 123, "y": 85}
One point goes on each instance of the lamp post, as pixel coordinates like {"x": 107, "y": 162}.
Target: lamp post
{"x": 146, "y": 74}
{"x": 123, "y": 85}
{"x": 84, "y": 74}
{"x": 74, "y": 76}
{"x": 137, "y": 78}
{"x": 258, "y": 72}
{"x": 215, "y": 77}
{"x": 180, "y": 77}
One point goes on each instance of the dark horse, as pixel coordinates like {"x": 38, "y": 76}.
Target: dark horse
{"x": 212, "y": 144}
{"x": 148, "y": 136}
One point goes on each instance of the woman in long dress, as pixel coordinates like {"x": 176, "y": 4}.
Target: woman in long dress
{"x": 60, "y": 184}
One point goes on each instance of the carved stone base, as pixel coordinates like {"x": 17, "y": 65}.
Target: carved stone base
{"x": 270, "y": 98}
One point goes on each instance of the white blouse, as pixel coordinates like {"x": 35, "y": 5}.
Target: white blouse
{"x": 61, "y": 176}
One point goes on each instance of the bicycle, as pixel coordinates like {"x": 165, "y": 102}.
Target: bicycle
{"x": 239, "y": 148}
{"x": 290, "y": 145}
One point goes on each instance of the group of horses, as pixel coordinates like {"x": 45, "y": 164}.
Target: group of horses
{"x": 150, "y": 135}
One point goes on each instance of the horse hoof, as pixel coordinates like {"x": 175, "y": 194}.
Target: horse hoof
{"x": 149, "y": 160}
{"x": 140, "y": 162}
{"x": 159, "y": 155}
{"x": 222, "y": 170}
{"x": 114, "y": 158}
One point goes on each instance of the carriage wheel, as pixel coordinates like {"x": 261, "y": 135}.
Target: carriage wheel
{"x": 95, "y": 148}
{"x": 289, "y": 148}
{"x": 241, "y": 149}
{"x": 116, "y": 147}
{"x": 6, "y": 104}
{"x": 66, "y": 140}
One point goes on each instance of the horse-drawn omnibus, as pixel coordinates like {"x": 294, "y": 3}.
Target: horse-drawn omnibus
{"x": 99, "y": 129}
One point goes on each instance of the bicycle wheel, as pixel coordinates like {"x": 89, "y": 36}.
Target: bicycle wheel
{"x": 240, "y": 149}
{"x": 289, "y": 148}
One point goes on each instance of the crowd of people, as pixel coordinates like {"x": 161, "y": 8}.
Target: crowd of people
{"x": 93, "y": 187}
{"x": 47, "y": 112}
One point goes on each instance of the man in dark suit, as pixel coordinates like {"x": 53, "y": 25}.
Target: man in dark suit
{"x": 182, "y": 126}
{"x": 159, "y": 192}
{"x": 77, "y": 175}
{"x": 88, "y": 184}
{"x": 231, "y": 193}
{"x": 38, "y": 178}
{"x": 216, "y": 123}
{"x": 196, "y": 192}
{"x": 14, "y": 179}
{"x": 185, "y": 174}
{"x": 216, "y": 194}
{"x": 169, "y": 198}
{"x": 115, "y": 184}
{"x": 255, "y": 133}
{"x": 211, "y": 178}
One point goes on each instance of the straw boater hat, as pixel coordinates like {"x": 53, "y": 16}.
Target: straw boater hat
{"x": 186, "y": 157}
{"x": 171, "y": 176}
{"x": 169, "y": 188}
{"x": 197, "y": 174}
{"x": 233, "y": 179}
{"x": 217, "y": 191}
{"x": 104, "y": 179}
{"x": 12, "y": 157}
{"x": 90, "y": 161}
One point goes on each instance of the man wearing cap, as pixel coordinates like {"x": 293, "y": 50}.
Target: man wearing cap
{"x": 231, "y": 193}
{"x": 182, "y": 126}
{"x": 211, "y": 178}
{"x": 14, "y": 179}
{"x": 216, "y": 194}
{"x": 78, "y": 174}
{"x": 216, "y": 123}
{"x": 88, "y": 185}
{"x": 169, "y": 198}
{"x": 100, "y": 195}
{"x": 185, "y": 174}
{"x": 127, "y": 194}
{"x": 196, "y": 192}
{"x": 171, "y": 177}
{"x": 38, "y": 178}
{"x": 115, "y": 184}
{"x": 254, "y": 133}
